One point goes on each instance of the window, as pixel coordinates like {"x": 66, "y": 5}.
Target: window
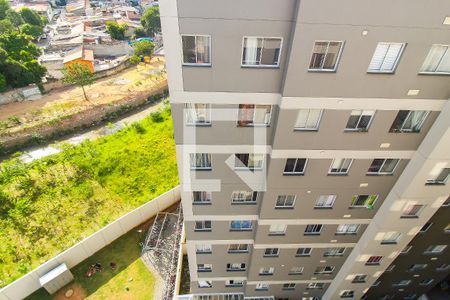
{"x": 376, "y": 283}
{"x": 359, "y": 278}
{"x": 262, "y": 287}
{"x": 435, "y": 249}
{"x": 347, "y": 229}
{"x": 313, "y": 229}
{"x": 406, "y": 249}
{"x": 426, "y": 282}
{"x": 316, "y": 285}
{"x": 244, "y": 197}
{"x": 324, "y": 270}
{"x": 374, "y": 260}
{"x": 203, "y": 249}
{"x": 196, "y": 50}
{"x": 443, "y": 268}
{"x": 261, "y": 51}
{"x": 254, "y": 115}
{"x": 237, "y": 248}
{"x": 325, "y": 56}
{"x": 296, "y": 271}
{"x": 308, "y": 119}
{"x": 200, "y": 161}
{"x": 364, "y": 200}
{"x": 437, "y": 60}
{"x": 285, "y": 201}
{"x": 446, "y": 202}
{"x": 232, "y": 267}
{"x": 204, "y": 267}
{"x": 409, "y": 121}
{"x": 234, "y": 283}
{"x": 289, "y": 286}
{"x": 417, "y": 267}
{"x": 295, "y": 166}
{"x": 202, "y": 225}
{"x": 386, "y": 57}
{"x": 390, "y": 268}
{"x": 347, "y": 294}
{"x": 381, "y": 166}
{"x": 334, "y": 252}
{"x": 248, "y": 161}
{"x": 340, "y": 166}
{"x": 402, "y": 283}
{"x": 441, "y": 178}
{"x": 271, "y": 252}
{"x": 204, "y": 284}
{"x": 266, "y": 271}
{"x": 359, "y": 120}
{"x": 277, "y": 229}
{"x": 325, "y": 201}
{"x": 412, "y": 211}
{"x": 410, "y": 296}
{"x": 244, "y": 225}
{"x": 447, "y": 228}
{"x": 391, "y": 237}
{"x": 201, "y": 197}
{"x": 303, "y": 252}
{"x": 198, "y": 114}
{"x": 425, "y": 227}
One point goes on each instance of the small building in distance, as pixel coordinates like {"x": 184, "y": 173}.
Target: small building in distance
{"x": 80, "y": 55}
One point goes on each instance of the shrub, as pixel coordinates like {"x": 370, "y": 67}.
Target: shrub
{"x": 138, "y": 127}
{"x": 156, "y": 117}
{"x": 14, "y": 120}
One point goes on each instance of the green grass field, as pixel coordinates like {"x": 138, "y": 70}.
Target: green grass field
{"x": 50, "y": 204}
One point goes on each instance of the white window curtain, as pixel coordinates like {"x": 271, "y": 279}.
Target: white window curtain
{"x": 251, "y": 51}
{"x": 385, "y": 57}
{"x": 437, "y": 60}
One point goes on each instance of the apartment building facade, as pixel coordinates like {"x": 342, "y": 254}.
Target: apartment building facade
{"x": 308, "y": 134}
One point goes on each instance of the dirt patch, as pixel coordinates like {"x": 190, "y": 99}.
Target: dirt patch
{"x": 78, "y": 293}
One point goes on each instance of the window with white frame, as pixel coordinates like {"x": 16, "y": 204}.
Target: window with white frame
{"x": 203, "y": 248}
{"x": 238, "y": 248}
{"x": 412, "y": 211}
{"x": 198, "y": 114}
{"x": 234, "y": 283}
{"x": 316, "y": 285}
{"x": 241, "y": 225}
{"x": 347, "y": 294}
{"x": 390, "y": 268}
{"x": 425, "y": 227}
{"x": 417, "y": 267}
{"x": 202, "y": 225}
{"x": 339, "y": 251}
{"x": 406, "y": 249}
{"x": 285, "y": 201}
{"x": 374, "y": 260}
{"x": 347, "y": 229}
{"x": 441, "y": 178}
{"x": 288, "y": 286}
{"x": 359, "y": 120}
{"x": 277, "y": 229}
{"x": 409, "y": 121}
{"x": 248, "y": 161}
{"x": 324, "y": 270}
{"x": 303, "y": 252}
{"x": 254, "y": 115}
{"x": 391, "y": 237}
{"x": 446, "y": 202}
{"x": 359, "y": 278}
{"x": 325, "y": 56}
{"x": 426, "y": 282}
{"x": 308, "y": 119}
{"x": 295, "y": 166}
{"x": 364, "y": 200}
{"x": 383, "y": 166}
{"x": 447, "y": 228}
{"x": 266, "y": 271}
{"x": 296, "y": 271}
{"x": 200, "y": 161}
{"x": 204, "y": 284}
{"x": 231, "y": 267}
{"x": 340, "y": 166}
{"x": 386, "y": 57}
{"x": 262, "y": 287}
{"x": 201, "y": 197}
{"x": 261, "y": 51}
{"x": 410, "y": 296}
{"x": 435, "y": 249}
{"x": 271, "y": 252}
{"x": 204, "y": 268}
{"x": 196, "y": 50}
{"x": 443, "y": 268}
{"x": 402, "y": 283}
{"x": 244, "y": 197}
{"x": 376, "y": 283}
{"x": 437, "y": 60}
{"x": 313, "y": 229}
{"x": 325, "y": 201}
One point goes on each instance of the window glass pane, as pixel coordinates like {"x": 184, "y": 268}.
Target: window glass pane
{"x": 189, "y": 49}
{"x": 313, "y": 119}
{"x": 318, "y": 55}
{"x": 376, "y": 165}
{"x": 262, "y": 114}
{"x": 290, "y": 165}
{"x": 378, "y": 56}
{"x": 353, "y": 120}
{"x": 444, "y": 66}
{"x": 252, "y": 51}
{"x": 300, "y": 166}
{"x": 302, "y": 118}
{"x": 271, "y": 51}
{"x": 332, "y": 55}
{"x": 391, "y": 57}
{"x": 433, "y": 59}
{"x": 389, "y": 165}
{"x": 202, "y": 47}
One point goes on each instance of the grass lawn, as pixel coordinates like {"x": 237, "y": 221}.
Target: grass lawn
{"x": 110, "y": 284}
{"x": 50, "y": 204}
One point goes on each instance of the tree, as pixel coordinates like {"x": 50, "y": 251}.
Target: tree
{"x": 6, "y": 26}
{"x": 4, "y": 7}
{"x": 15, "y": 18}
{"x": 115, "y": 30}
{"x": 135, "y": 59}
{"x": 2, "y": 83}
{"x": 139, "y": 32}
{"x": 143, "y": 48}
{"x": 78, "y": 74}
{"x": 30, "y": 16}
{"x": 150, "y": 20}
{"x": 31, "y": 30}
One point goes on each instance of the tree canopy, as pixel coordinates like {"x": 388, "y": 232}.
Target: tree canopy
{"x": 30, "y": 16}
{"x": 143, "y": 48}
{"x": 78, "y": 74}
{"x": 150, "y": 20}
{"x": 116, "y": 31}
